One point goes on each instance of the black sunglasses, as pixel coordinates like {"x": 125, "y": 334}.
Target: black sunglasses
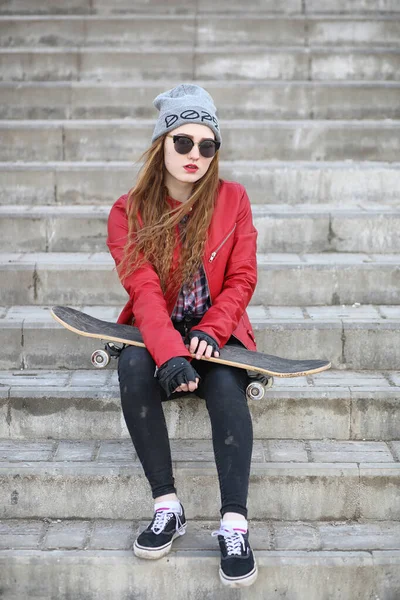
{"x": 184, "y": 144}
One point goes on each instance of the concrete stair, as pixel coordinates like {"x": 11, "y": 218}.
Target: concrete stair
{"x": 286, "y": 279}
{"x": 117, "y": 139}
{"x": 313, "y": 88}
{"x": 352, "y": 337}
{"x": 313, "y": 559}
{"x": 284, "y": 182}
{"x": 281, "y": 228}
{"x": 260, "y": 99}
{"x": 169, "y": 31}
{"x": 308, "y": 7}
{"x": 315, "y": 480}
{"x": 78, "y": 404}
{"x": 183, "y": 63}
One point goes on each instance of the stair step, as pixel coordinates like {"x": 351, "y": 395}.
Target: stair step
{"x": 351, "y": 6}
{"x": 283, "y": 279}
{"x": 121, "y": 139}
{"x": 325, "y": 481}
{"x": 252, "y": 62}
{"x": 284, "y": 182}
{"x": 259, "y": 100}
{"x": 207, "y": 6}
{"x": 85, "y": 405}
{"x": 198, "y": 451}
{"x": 175, "y": 30}
{"x": 90, "y": 479}
{"x": 359, "y": 337}
{"x": 320, "y": 537}
{"x": 302, "y": 559}
{"x": 127, "y": 7}
{"x": 281, "y": 228}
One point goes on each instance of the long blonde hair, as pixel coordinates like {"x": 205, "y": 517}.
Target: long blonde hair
{"x": 152, "y": 224}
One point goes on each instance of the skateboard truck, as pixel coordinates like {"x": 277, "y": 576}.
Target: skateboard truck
{"x": 256, "y": 389}
{"x": 101, "y": 358}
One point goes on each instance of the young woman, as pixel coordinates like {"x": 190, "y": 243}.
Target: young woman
{"x": 185, "y": 248}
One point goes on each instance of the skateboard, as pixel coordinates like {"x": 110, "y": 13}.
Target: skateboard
{"x": 262, "y": 368}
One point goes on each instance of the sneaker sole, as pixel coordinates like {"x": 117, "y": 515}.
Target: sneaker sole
{"x": 154, "y": 554}
{"x": 238, "y": 582}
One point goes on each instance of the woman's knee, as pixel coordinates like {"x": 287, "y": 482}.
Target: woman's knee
{"x": 135, "y": 359}
{"x": 135, "y": 370}
{"x": 224, "y": 381}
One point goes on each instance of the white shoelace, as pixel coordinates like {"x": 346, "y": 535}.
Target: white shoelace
{"x": 162, "y": 519}
{"x": 234, "y": 540}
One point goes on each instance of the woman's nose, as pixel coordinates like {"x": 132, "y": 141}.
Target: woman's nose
{"x": 194, "y": 153}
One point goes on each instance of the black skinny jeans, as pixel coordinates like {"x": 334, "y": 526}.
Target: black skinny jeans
{"x": 224, "y": 390}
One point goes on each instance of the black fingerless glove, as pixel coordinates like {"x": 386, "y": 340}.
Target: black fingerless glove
{"x": 203, "y": 336}
{"x": 174, "y": 372}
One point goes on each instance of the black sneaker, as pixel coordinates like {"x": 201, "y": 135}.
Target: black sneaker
{"x": 238, "y": 566}
{"x": 156, "y": 541}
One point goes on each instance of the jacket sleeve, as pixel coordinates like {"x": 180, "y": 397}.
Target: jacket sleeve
{"x": 240, "y": 280}
{"x": 149, "y": 307}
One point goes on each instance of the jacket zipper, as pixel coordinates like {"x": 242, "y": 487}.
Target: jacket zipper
{"x": 214, "y": 254}
{"x": 208, "y": 285}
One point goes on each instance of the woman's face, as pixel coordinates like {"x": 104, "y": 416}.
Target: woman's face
{"x": 175, "y": 163}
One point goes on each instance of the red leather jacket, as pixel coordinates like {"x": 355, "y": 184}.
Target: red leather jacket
{"x": 230, "y": 266}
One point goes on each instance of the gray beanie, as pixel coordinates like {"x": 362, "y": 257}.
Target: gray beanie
{"x": 185, "y": 103}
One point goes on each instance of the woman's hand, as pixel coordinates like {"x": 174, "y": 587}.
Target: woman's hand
{"x": 202, "y": 344}
{"x": 188, "y": 387}
{"x": 176, "y": 375}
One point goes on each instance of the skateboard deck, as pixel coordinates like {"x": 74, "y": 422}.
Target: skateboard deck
{"x": 235, "y": 356}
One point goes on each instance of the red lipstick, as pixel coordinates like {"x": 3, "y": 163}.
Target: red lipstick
{"x": 191, "y": 168}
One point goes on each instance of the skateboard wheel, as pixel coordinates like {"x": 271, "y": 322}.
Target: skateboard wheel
{"x": 269, "y": 383}
{"x": 100, "y": 359}
{"x": 255, "y": 391}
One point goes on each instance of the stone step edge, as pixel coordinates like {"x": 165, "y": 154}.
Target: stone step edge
{"x": 103, "y": 260}
{"x": 265, "y": 558}
{"x": 31, "y": 316}
{"x": 320, "y": 491}
{"x": 15, "y": 383}
{"x": 186, "y": 49}
{"x": 260, "y": 16}
{"x": 267, "y": 452}
{"x": 39, "y": 405}
{"x": 284, "y": 211}
{"x": 111, "y": 574}
{"x": 227, "y": 123}
{"x": 193, "y": 468}
{"x": 271, "y": 536}
{"x": 209, "y": 83}
{"x": 255, "y": 164}
{"x": 191, "y": 13}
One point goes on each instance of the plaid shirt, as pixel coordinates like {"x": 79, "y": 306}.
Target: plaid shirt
{"x": 195, "y": 301}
